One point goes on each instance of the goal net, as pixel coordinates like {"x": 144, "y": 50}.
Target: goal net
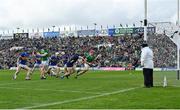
{"x": 164, "y": 44}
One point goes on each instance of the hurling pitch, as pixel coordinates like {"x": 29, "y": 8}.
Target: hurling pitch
{"x": 94, "y": 90}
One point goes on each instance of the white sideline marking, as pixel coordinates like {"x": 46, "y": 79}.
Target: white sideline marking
{"x": 17, "y": 83}
{"x": 91, "y": 89}
{"x": 51, "y": 90}
{"x": 79, "y": 99}
{"x": 176, "y": 86}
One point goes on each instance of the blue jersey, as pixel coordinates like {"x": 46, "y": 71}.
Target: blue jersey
{"x": 64, "y": 58}
{"x": 23, "y": 58}
{"x": 72, "y": 60}
{"x": 54, "y": 60}
{"x": 38, "y": 59}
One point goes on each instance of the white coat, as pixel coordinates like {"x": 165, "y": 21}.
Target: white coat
{"x": 147, "y": 58}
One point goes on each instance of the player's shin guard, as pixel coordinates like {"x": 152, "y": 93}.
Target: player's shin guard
{"x": 28, "y": 75}
{"x": 15, "y": 75}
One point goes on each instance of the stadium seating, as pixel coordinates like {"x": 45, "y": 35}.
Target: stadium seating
{"x": 118, "y": 51}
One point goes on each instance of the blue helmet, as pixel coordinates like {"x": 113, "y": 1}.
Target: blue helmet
{"x": 24, "y": 54}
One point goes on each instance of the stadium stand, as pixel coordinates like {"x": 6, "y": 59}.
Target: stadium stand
{"x": 119, "y": 51}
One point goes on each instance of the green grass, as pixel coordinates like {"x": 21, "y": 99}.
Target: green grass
{"x": 96, "y": 90}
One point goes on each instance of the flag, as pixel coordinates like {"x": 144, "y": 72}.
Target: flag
{"x": 59, "y": 29}
{"x": 95, "y": 26}
{"x": 17, "y": 30}
{"x": 121, "y": 25}
{"x": 107, "y": 27}
{"x": 48, "y": 30}
{"x": 134, "y": 25}
{"x": 101, "y": 27}
{"x": 53, "y": 28}
{"x": 141, "y": 23}
{"x": 27, "y": 30}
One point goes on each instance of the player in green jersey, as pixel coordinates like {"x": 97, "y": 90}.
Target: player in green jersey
{"x": 89, "y": 59}
{"x": 44, "y": 62}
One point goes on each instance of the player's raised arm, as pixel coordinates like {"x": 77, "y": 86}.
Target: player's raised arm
{"x": 18, "y": 60}
{"x": 98, "y": 56}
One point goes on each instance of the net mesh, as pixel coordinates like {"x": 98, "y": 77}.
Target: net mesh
{"x": 165, "y": 53}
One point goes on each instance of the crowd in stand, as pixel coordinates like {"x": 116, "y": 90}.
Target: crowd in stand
{"x": 117, "y": 51}
{"x": 165, "y": 51}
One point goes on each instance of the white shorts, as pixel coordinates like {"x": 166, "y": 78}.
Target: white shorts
{"x": 22, "y": 66}
{"x": 37, "y": 65}
{"x": 53, "y": 67}
{"x": 45, "y": 63}
{"x": 74, "y": 67}
{"x": 86, "y": 66}
{"x": 65, "y": 65}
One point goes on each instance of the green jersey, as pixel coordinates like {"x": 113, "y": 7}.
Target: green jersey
{"x": 44, "y": 58}
{"x": 89, "y": 58}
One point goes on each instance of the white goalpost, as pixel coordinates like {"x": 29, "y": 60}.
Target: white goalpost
{"x": 173, "y": 33}
{"x": 178, "y": 43}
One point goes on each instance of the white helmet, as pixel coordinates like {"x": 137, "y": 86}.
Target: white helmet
{"x": 57, "y": 53}
{"x": 62, "y": 53}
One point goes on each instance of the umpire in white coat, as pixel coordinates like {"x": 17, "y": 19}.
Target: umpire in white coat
{"x": 148, "y": 65}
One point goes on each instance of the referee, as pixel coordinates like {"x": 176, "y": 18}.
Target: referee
{"x": 148, "y": 65}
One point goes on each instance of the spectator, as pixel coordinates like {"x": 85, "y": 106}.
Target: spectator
{"x": 124, "y": 50}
